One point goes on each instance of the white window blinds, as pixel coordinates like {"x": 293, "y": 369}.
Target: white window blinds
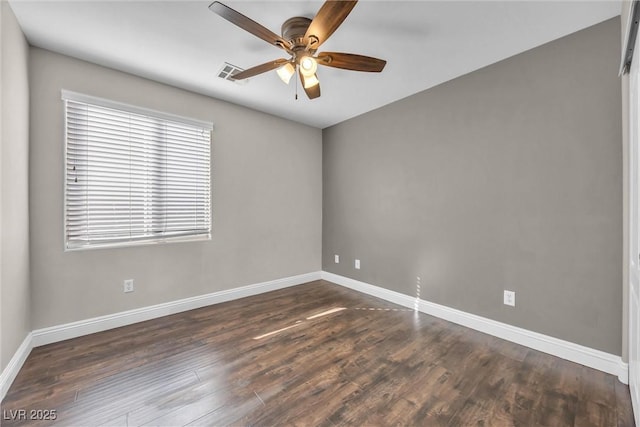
{"x": 133, "y": 175}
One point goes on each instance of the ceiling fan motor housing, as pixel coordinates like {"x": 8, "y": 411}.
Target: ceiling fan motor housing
{"x": 293, "y": 30}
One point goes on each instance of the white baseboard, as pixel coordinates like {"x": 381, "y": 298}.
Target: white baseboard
{"x": 15, "y": 364}
{"x": 98, "y": 324}
{"x": 586, "y": 356}
{"x": 623, "y": 371}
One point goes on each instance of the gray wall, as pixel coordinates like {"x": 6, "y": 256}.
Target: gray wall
{"x": 267, "y": 196}
{"x": 14, "y": 180}
{"x": 507, "y": 178}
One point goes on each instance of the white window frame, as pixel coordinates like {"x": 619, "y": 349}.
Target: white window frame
{"x": 106, "y": 103}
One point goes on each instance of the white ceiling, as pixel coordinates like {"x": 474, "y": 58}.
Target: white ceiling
{"x": 183, "y": 44}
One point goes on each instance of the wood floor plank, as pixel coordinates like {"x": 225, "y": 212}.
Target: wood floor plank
{"x": 624, "y": 412}
{"x": 191, "y": 410}
{"x": 596, "y": 405}
{"x": 315, "y": 354}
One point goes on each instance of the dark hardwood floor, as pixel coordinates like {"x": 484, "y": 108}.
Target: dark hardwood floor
{"x": 266, "y": 360}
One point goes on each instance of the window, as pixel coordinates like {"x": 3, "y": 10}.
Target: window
{"x": 133, "y": 175}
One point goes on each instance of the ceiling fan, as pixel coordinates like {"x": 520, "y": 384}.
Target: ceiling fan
{"x": 301, "y": 38}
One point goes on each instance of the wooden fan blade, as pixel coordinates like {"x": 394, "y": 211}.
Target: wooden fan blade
{"x": 327, "y": 20}
{"x": 259, "y": 69}
{"x": 350, "y": 61}
{"x": 248, "y": 24}
{"x": 313, "y": 91}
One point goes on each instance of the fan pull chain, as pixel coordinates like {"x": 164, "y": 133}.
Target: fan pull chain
{"x": 296, "y": 82}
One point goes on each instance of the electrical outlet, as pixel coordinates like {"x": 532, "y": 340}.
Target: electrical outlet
{"x": 357, "y": 264}
{"x": 510, "y": 298}
{"x": 128, "y": 285}
{"x": 336, "y": 259}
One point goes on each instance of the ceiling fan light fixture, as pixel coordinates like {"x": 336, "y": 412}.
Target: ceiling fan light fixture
{"x": 309, "y": 81}
{"x": 308, "y": 66}
{"x": 286, "y": 72}
{"x": 301, "y": 38}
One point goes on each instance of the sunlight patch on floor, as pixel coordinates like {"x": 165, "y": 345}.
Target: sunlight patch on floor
{"x": 268, "y": 334}
{"x": 324, "y": 313}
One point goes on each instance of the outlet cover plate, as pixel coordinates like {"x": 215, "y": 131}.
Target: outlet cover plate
{"x": 128, "y": 285}
{"x": 510, "y": 298}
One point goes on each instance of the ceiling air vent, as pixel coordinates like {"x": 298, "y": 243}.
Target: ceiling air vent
{"x": 228, "y": 70}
